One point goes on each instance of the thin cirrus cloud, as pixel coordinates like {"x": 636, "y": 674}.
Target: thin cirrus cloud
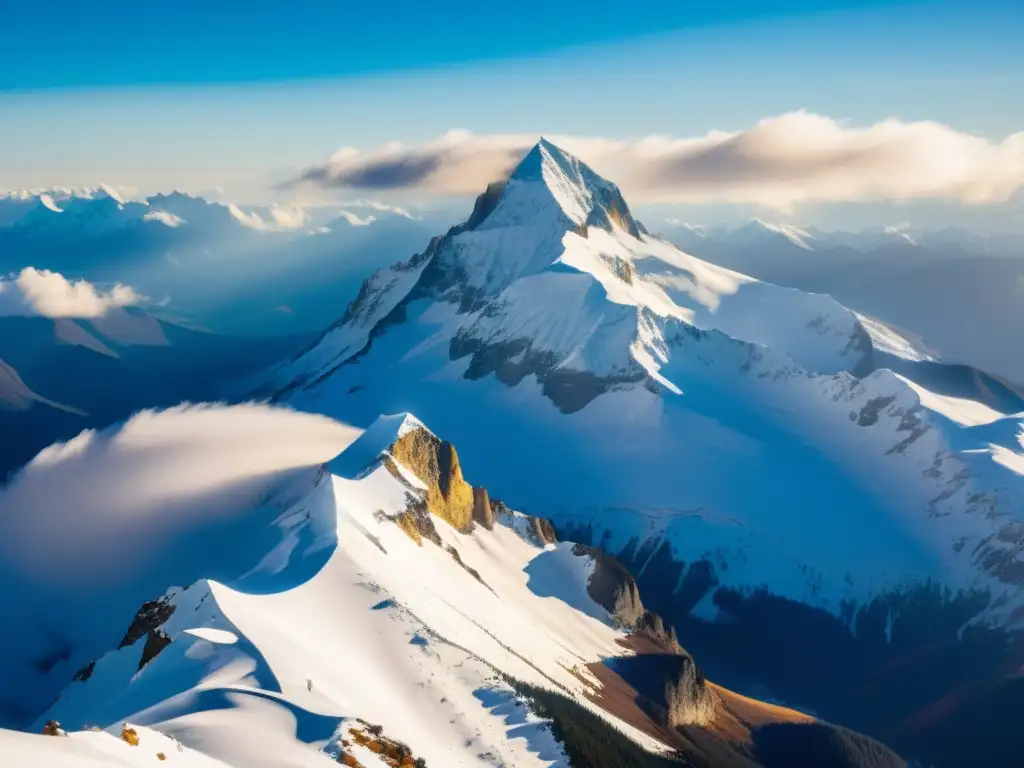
{"x": 792, "y": 158}
{"x": 40, "y": 292}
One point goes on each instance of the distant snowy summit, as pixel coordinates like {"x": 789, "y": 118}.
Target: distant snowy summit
{"x": 758, "y": 233}
{"x": 55, "y": 214}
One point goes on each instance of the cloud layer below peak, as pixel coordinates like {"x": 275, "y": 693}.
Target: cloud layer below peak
{"x": 34, "y": 292}
{"x": 792, "y": 158}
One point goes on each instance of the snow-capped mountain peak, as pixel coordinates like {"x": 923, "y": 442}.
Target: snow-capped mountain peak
{"x": 624, "y": 329}
{"x": 759, "y": 231}
{"x": 47, "y": 202}
{"x": 550, "y": 183}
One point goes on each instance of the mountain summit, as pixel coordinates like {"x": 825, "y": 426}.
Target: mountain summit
{"x": 735, "y": 443}
{"x": 551, "y": 181}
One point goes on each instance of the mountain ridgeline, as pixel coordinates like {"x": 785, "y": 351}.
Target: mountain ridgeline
{"x": 824, "y": 518}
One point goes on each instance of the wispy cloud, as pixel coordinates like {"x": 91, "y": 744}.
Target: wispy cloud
{"x": 159, "y": 475}
{"x": 36, "y": 292}
{"x": 91, "y": 528}
{"x": 780, "y": 161}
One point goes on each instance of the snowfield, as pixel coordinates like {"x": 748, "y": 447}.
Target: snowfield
{"x": 646, "y": 396}
{"x": 721, "y": 435}
{"x": 343, "y": 620}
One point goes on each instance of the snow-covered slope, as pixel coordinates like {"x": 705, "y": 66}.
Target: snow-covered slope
{"x": 767, "y": 462}
{"x": 16, "y": 396}
{"x": 329, "y": 614}
{"x": 553, "y": 313}
{"x": 743, "y": 447}
{"x": 955, "y": 290}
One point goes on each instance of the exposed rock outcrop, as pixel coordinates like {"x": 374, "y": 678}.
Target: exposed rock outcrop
{"x": 156, "y": 641}
{"x": 85, "y": 672}
{"x": 458, "y": 559}
{"x": 612, "y": 587}
{"x": 150, "y": 616}
{"x": 543, "y": 530}
{"x": 670, "y": 686}
{"x": 688, "y": 700}
{"x": 436, "y": 463}
{"x": 653, "y": 626}
{"x": 483, "y": 512}
{"x": 486, "y": 203}
{"x": 513, "y": 360}
{"x": 417, "y": 522}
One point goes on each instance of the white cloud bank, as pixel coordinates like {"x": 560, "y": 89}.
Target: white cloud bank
{"x": 74, "y": 507}
{"x": 92, "y": 528}
{"x": 792, "y": 158}
{"x": 36, "y": 292}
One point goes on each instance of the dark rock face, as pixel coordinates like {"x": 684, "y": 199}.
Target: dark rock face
{"x": 671, "y": 687}
{"x": 513, "y": 361}
{"x": 485, "y": 204}
{"x": 150, "y": 616}
{"x": 156, "y": 641}
{"x": 612, "y": 587}
{"x": 868, "y": 414}
{"x": 85, "y": 672}
{"x": 146, "y": 623}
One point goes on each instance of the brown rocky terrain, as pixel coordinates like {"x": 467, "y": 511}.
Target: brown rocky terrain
{"x": 436, "y": 463}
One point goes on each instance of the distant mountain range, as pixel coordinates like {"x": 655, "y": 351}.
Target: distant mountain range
{"x": 259, "y": 271}
{"x": 61, "y": 376}
{"x": 950, "y": 241}
{"x": 685, "y": 487}
{"x": 961, "y": 293}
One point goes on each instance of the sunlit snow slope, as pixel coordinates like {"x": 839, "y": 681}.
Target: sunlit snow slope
{"x": 649, "y": 396}
{"x": 326, "y": 614}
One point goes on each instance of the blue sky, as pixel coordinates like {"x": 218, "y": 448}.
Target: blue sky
{"x": 197, "y": 95}
{"x": 125, "y": 42}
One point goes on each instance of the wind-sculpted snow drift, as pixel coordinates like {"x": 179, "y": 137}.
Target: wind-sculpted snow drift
{"x": 738, "y": 445}
{"x": 93, "y": 527}
{"x": 334, "y": 611}
{"x": 276, "y": 642}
